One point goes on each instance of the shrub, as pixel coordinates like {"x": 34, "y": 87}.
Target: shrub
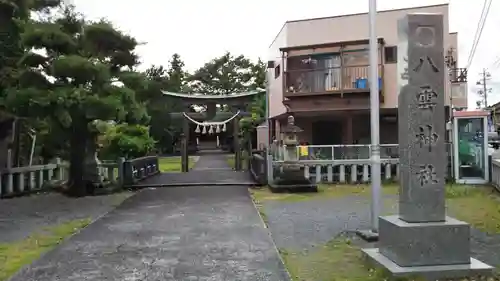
{"x": 124, "y": 140}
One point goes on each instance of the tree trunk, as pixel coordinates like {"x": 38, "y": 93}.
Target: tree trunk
{"x": 78, "y": 145}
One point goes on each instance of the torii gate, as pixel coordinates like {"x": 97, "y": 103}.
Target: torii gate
{"x": 236, "y": 101}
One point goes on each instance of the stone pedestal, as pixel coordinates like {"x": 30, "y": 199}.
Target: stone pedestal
{"x": 421, "y": 239}
{"x": 423, "y": 244}
{"x": 291, "y": 175}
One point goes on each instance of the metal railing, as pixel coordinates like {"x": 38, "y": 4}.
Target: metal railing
{"x": 346, "y": 163}
{"x": 341, "y": 152}
{"x": 137, "y": 169}
{"x": 332, "y": 79}
{"x": 337, "y": 152}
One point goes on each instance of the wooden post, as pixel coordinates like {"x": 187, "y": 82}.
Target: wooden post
{"x": 128, "y": 173}
{"x": 10, "y": 177}
{"x": 249, "y": 153}
{"x": 156, "y": 162}
{"x": 236, "y": 140}
{"x": 58, "y": 170}
{"x": 121, "y": 171}
{"x": 185, "y": 146}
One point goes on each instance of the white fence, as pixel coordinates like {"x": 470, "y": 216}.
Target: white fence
{"x": 346, "y": 171}
{"x": 20, "y": 180}
{"x": 495, "y": 173}
{"x": 344, "y": 163}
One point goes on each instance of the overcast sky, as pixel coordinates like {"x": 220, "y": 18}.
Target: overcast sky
{"x": 200, "y": 30}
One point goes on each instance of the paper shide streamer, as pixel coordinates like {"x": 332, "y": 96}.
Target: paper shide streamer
{"x": 209, "y": 127}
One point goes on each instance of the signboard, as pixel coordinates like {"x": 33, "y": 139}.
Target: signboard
{"x": 459, "y": 90}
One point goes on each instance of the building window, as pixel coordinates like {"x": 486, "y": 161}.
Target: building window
{"x": 391, "y": 54}
{"x": 277, "y": 72}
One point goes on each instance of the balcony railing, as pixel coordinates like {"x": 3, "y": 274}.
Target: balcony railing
{"x": 345, "y": 79}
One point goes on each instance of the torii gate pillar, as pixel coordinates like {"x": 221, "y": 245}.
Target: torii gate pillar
{"x": 185, "y": 145}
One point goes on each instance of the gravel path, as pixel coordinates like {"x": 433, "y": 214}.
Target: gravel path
{"x": 20, "y": 217}
{"x": 302, "y": 225}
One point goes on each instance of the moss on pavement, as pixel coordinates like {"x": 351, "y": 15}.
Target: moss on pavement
{"x": 14, "y": 256}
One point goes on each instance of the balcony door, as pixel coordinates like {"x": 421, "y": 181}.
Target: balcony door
{"x": 327, "y": 73}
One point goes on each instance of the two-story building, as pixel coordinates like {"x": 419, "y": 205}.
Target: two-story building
{"x": 318, "y": 71}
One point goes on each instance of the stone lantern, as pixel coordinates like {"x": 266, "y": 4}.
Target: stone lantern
{"x": 291, "y": 174}
{"x": 290, "y": 140}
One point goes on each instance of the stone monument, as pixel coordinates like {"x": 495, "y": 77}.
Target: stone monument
{"x": 422, "y": 240}
{"x": 291, "y": 175}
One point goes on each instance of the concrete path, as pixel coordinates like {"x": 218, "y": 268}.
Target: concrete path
{"x": 212, "y": 160}
{"x": 211, "y": 168}
{"x": 182, "y": 233}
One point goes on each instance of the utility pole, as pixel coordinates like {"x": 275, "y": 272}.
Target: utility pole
{"x": 372, "y": 234}
{"x": 484, "y": 91}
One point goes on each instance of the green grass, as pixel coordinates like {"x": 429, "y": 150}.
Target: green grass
{"x": 337, "y": 260}
{"x": 478, "y": 206}
{"x": 325, "y": 191}
{"x": 13, "y": 256}
{"x": 173, "y": 164}
{"x": 341, "y": 260}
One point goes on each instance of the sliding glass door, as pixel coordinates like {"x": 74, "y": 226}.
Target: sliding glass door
{"x": 327, "y": 73}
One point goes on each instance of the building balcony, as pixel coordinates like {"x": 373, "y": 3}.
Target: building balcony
{"x": 341, "y": 80}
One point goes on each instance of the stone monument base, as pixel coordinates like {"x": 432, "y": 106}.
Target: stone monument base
{"x": 429, "y": 249}
{"x": 292, "y": 180}
{"x": 420, "y": 244}
{"x": 433, "y": 272}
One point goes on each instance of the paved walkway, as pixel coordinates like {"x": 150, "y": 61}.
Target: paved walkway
{"x": 191, "y": 233}
{"x": 181, "y": 233}
{"x": 211, "y": 168}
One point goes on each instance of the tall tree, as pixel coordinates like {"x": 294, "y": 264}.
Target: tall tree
{"x": 163, "y": 128}
{"x": 224, "y": 75}
{"x": 13, "y": 15}
{"x": 73, "y": 81}
{"x": 259, "y": 70}
{"x": 159, "y": 78}
{"x": 176, "y": 74}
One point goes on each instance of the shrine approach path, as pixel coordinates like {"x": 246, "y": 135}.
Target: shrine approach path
{"x": 170, "y": 233}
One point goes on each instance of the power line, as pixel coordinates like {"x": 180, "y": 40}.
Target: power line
{"x": 480, "y": 31}
{"x": 496, "y": 63}
{"x": 478, "y": 27}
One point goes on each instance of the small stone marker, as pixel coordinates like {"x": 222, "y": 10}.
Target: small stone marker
{"x": 422, "y": 239}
